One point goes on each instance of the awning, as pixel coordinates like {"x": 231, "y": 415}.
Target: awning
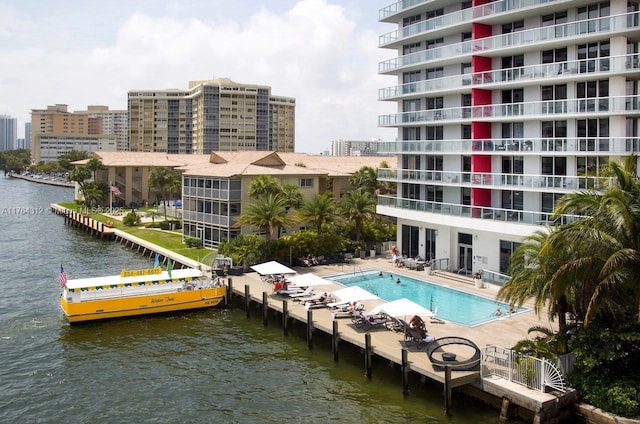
{"x": 307, "y": 280}
{"x": 402, "y": 308}
{"x": 272, "y": 268}
{"x": 354, "y": 294}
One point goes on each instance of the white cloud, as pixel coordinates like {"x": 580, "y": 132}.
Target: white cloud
{"x": 313, "y": 51}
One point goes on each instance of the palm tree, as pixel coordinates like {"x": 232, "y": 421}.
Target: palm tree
{"x": 358, "y": 206}
{"x": 321, "y": 209}
{"x": 165, "y": 180}
{"x": 610, "y": 235}
{"x": 533, "y": 269}
{"x": 365, "y": 178}
{"x": 93, "y": 165}
{"x": 263, "y": 185}
{"x": 266, "y": 213}
{"x": 80, "y": 175}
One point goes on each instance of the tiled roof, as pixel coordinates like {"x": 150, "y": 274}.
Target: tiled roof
{"x": 229, "y": 164}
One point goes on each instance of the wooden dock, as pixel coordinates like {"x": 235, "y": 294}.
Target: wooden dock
{"x": 258, "y": 299}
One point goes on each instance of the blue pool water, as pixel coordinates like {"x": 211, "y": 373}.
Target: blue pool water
{"x": 452, "y": 305}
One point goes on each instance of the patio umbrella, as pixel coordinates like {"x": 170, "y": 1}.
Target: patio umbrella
{"x": 402, "y": 308}
{"x": 307, "y": 280}
{"x": 354, "y": 294}
{"x": 272, "y": 268}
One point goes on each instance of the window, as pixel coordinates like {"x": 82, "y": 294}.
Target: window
{"x": 408, "y": 80}
{"x": 554, "y": 165}
{"x": 509, "y": 100}
{"x": 411, "y": 133}
{"x": 557, "y": 56}
{"x": 410, "y": 20}
{"x": 433, "y": 73}
{"x": 435, "y": 133}
{"x": 512, "y": 199}
{"x": 435, "y": 103}
{"x": 411, "y": 48}
{"x": 590, "y": 165}
{"x": 588, "y": 15}
{"x": 306, "y": 182}
{"x": 554, "y": 134}
{"x": 512, "y": 67}
{"x": 466, "y": 171}
{"x": 465, "y": 102}
{"x": 594, "y": 57}
{"x": 507, "y": 248}
{"x": 465, "y": 194}
{"x": 432, "y": 44}
{"x": 593, "y": 134}
{"x": 595, "y": 95}
{"x": 554, "y": 98}
{"x": 465, "y": 132}
{"x": 513, "y": 27}
{"x": 556, "y": 19}
{"x": 433, "y": 13}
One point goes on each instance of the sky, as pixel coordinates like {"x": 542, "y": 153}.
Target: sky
{"x": 324, "y": 53}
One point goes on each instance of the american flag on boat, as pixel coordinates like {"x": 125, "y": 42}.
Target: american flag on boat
{"x": 63, "y": 277}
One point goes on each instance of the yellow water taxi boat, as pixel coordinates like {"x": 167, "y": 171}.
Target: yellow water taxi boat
{"x": 138, "y": 292}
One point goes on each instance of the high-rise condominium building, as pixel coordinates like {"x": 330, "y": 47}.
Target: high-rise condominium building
{"x": 503, "y": 107}
{"x": 213, "y": 115}
{"x": 354, "y": 147}
{"x": 8, "y": 133}
{"x": 55, "y": 131}
{"x": 109, "y": 122}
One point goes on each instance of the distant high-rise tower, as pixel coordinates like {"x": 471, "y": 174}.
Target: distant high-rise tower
{"x": 55, "y": 130}
{"x": 212, "y": 115}
{"x": 8, "y": 133}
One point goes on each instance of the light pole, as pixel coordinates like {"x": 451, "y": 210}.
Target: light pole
{"x": 290, "y": 255}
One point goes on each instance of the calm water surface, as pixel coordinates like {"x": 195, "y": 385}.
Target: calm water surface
{"x": 201, "y": 367}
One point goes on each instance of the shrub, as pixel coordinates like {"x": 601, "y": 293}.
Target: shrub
{"x": 606, "y": 372}
{"x": 131, "y": 219}
{"x": 193, "y": 242}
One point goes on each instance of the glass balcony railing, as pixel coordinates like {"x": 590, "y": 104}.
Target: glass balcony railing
{"x": 624, "y": 105}
{"x": 478, "y": 212}
{"x": 456, "y": 18}
{"x": 398, "y": 7}
{"x": 559, "y": 70}
{"x": 537, "y": 36}
{"x": 479, "y": 11}
{"x": 596, "y": 145}
{"x": 557, "y": 183}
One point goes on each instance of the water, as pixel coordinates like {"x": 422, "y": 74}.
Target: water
{"x": 200, "y": 367}
{"x": 452, "y": 305}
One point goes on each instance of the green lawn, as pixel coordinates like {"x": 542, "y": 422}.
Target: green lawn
{"x": 171, "y": 240}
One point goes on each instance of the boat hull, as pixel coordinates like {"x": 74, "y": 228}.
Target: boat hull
{"x": 118, "y": 307}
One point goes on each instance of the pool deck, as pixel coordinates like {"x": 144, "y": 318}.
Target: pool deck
{"x": 503, "y": 332}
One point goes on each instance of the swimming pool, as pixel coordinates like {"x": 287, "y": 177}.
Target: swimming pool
{"x": 451, "y": 304}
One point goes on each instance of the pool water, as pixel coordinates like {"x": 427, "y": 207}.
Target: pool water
{"x": 451, "y": 304}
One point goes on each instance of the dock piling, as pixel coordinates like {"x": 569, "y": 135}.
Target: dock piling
{"x": 247, "y": 299}
{"x": 335, "y": 340}
{"x": 405, "y": 371}
{"x": 368, "y": 355}
{"x": 310, "y": 329}
{"x": 285, "y": 317}
{"x": 265, "y": 308}
{"x": 447, "y": 389}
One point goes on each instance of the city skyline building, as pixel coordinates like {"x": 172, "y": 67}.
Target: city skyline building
{"x": 343, "y": 147}
{"x": 8, "y": 133}
{"x": 502, "y": 108}
{"x": 211, "y": 115}
{"x": 55, "y": 131}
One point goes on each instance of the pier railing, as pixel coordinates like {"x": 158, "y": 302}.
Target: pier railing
{"x": 534, "y": 373}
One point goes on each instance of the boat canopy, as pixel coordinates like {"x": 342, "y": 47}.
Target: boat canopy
{"x": 115, "y": 281}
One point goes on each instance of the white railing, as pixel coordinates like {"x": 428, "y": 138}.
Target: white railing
{"x": 529, "y": 371}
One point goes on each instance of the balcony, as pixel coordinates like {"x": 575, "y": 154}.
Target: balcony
{"x": 565, "y": 108}
{"x": 535, "y": 146}
{"x": 572, "y": 70}
{"x": 499, "y": 44}
{"x": 500, "y": 181}
{"x": 477, "y": 212}
{"x": 458, "y": 17}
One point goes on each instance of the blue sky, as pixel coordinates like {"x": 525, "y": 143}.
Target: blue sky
{"x": 84, "y": 52}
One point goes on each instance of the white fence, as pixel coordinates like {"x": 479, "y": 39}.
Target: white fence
{"x": 535, "y": 373}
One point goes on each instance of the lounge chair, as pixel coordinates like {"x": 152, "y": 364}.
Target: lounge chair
{"x": 368, "y": 322}
{"x": 300, "y": 294}
{"x": 318, "y": 301}
{"x": 346, "y": 312}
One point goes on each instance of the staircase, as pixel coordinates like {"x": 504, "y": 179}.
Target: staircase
{"x": 453, "y": 276}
